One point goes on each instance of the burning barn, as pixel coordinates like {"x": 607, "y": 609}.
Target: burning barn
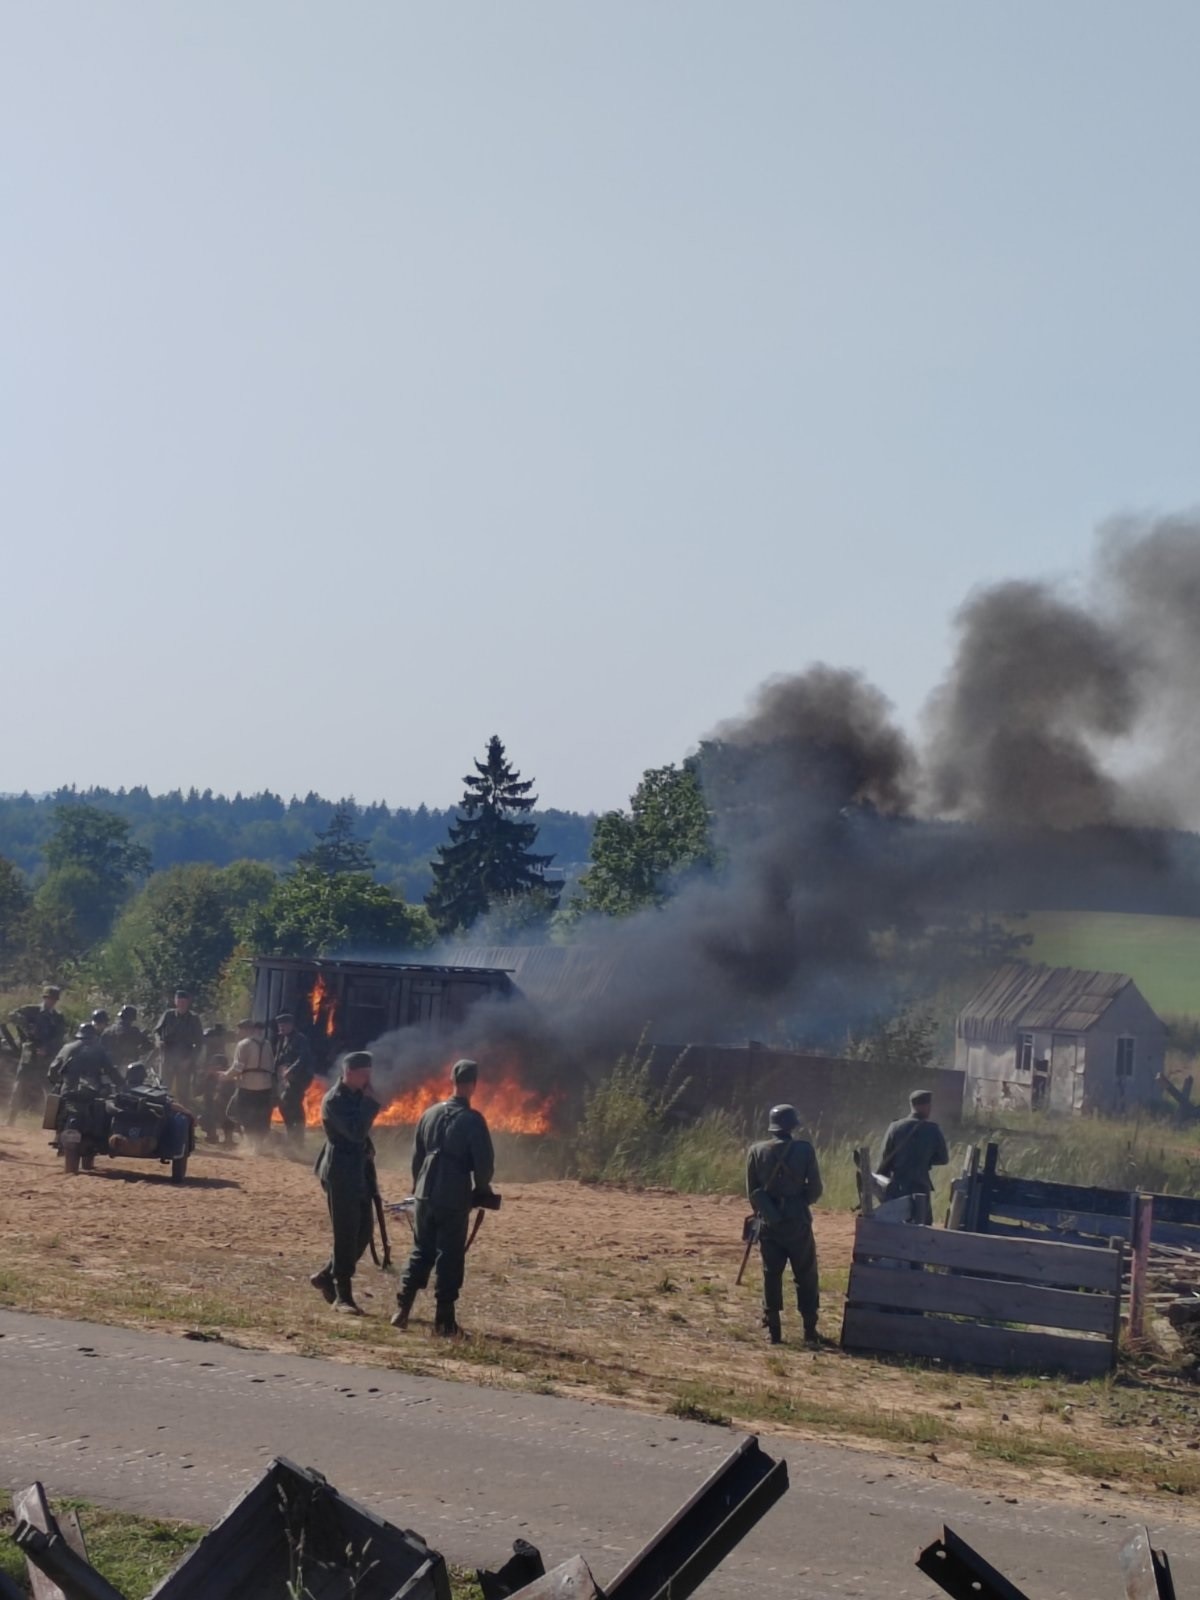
{"x": 1055, "y": 1039}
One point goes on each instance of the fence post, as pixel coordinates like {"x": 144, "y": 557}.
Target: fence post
{"x": 866, "y": 1186}
{"x": 1142, "y": 1208}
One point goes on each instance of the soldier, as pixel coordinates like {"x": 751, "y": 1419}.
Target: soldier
{"x": 294, "y": 1066}
{"x": 214, "y": 1120}
{"x": 125, "y": 1041}
{"x": 41, "y": 1030}
{"x": 783, "y": 1182}
{"x": 84, "y": 1060}
{"x": 181, "y": 1035}
{"x": 343, "y": 1166}
{"x": 911, "y": 1147}
{"x": 253, "y": 1071}
{"x": 452, "y": 1161}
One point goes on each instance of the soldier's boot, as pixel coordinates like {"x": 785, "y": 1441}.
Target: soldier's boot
{"x": 811, "y": 1336}
{"x": 322, "y": 1282}
{"x": 445, "y": 1324}
{"x": 344, "y": 1301}
{"x": 405, "y": 1301}
{"x": 772, "y": 1322}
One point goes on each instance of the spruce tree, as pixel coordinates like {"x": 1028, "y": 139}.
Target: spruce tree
{"x": 490, "y": 854}
{"x": 337, "y": 850}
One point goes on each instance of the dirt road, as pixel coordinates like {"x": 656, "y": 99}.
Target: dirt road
{"x": 158, "y": 1424}
{"x": 573, "y": 1290}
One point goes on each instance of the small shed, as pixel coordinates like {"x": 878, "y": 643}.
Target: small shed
{"x": 1055, "y": 1039}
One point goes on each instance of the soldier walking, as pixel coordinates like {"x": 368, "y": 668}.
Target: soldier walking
{"x": 783, "y": 1182}
{"x": 181, "y": 1035}
{"x": 453, "y": 1162}
{"x": 125, "y": 1041}
{"x": 343, "y": 1167}
{"x": 911, "y": 1148}
{"x": 41, "y": 1030}
{"x": 295, "y": 1067}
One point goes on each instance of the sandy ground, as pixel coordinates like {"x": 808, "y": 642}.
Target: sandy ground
{"x": 625, "y": 1295}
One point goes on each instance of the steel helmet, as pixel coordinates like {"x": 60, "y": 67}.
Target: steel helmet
{"x": 783, "y": 1119}
{"x": 100, "y": 1018}
{"x": 86, "y": 1030}
{"x": 128, "y": 1013}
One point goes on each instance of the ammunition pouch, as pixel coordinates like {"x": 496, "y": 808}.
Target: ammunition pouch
{"x": 749, "y": 1229}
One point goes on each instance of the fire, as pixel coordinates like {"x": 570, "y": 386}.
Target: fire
{"x": 319, "y": 1001}
{"x": 509, "y": 1105}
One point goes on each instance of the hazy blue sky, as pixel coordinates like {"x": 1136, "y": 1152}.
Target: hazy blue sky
{"x": 377, "y": 376}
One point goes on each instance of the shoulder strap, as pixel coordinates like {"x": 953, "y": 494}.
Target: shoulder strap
{"x": 780, "y": 1159}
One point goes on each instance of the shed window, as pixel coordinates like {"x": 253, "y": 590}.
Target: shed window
{"x": 1025, "y": 1053}
{"x": 1125, "y": 1057}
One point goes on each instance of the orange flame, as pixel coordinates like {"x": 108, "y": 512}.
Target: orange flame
{"x": 509, "y": 1105}
{"x": 322, "y": 1001}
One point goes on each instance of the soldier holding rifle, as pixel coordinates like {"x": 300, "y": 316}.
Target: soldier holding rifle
{"x": 345, "y": 1167}
{"x": 783, "y": 1182}
{"x": 453, "y": 1163}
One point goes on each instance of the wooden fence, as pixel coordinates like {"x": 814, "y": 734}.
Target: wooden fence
{"x": 1028, "y": 1208}
{"x": 1020, "y": 1304}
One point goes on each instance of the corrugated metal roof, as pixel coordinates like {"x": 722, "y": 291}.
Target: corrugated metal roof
{"x": 550, "y": 974}
{"x": 1028, "y": 998}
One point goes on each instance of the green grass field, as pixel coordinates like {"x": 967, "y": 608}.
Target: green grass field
{"x": 1161, "y": 954}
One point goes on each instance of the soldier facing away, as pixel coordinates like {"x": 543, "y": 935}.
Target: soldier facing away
{"x": 295, "y": 1067}
{"x": 124, "y": 1040}
{"x": 911, "y": 1148}
{"x": 84, "y": 1060}
{"x": 783, "y": 1182}
{"x": 181, "y": 1035}
{"x": 344, "y": 1168}
{"x": 41, "y": 1030}
{"x": 452, "y": 1162}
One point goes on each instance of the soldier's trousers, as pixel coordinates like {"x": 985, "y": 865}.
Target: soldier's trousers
{"x": 28, "y": 1092}
{"x": 797, "y": 1249}
{"x": 350, "y": 1219}
{"x": 291, "y": 1109}
{"x": 439, "y": 1242}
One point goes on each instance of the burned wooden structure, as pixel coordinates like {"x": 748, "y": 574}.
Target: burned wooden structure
{"x": 1021, "y": 1305}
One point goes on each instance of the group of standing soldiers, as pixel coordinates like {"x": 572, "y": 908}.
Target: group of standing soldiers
{"x": 192, "y": 1061}
{"x": 783, "y": 1183}
{"x": 452, "y": 1166}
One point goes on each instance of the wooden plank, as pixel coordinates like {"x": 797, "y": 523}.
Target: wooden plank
{"x": 1143, "y": 1219}
{"x": 973, "y": 1344}
{"x": 1086, "y": 1226}
{"x": 1062, "y": 1266}
{"x": 571, "y": 1581}
{"x": 1177, "y": 1208}
{"x": 30, "y": 1505}
{"x": 981, "y": 1297}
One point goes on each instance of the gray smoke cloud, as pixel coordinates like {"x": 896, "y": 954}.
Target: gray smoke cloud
{"x": 1057, "y": 713}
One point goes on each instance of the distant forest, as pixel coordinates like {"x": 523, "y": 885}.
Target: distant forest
{"x": 200, "y": 826}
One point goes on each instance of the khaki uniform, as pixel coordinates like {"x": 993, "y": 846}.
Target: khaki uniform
{"x": 181, "y": 1034}
{"x": 42, "y": 1031}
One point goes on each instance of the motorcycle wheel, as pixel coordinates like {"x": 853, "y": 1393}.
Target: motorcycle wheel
{"x": 179, "y": 1170}
{"x": 71, "y": 1160}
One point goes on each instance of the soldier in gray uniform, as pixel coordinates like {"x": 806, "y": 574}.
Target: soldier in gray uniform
{"x": 41, "y": 1030}
{"x": 347, "y": 1112}
{"x": 783, "y": 1182}
{"x": 911, "y": 1147}
{"x": 125, "y": 1041}
{"x": 84, "y": 1060}
{"x": 452, "y": 1163}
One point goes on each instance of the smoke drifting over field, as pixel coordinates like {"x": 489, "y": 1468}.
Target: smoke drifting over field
{"x": 1059, "y": 714}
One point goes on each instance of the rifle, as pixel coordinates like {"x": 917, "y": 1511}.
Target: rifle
{"x": 750, "y": 1232}
{"x": 377, "y": 1204}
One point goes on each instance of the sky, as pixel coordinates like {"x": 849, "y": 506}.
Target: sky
{"x": 380, "y": 376}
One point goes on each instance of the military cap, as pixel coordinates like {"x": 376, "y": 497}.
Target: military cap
{"x": 285, "y": 1016}
{"x": 920, "y": 1097}
{"x": 183, "y": 994}
{"x": 51, "y": 989}
{"x": 357, "y": 1061}
{"x": 465, "y": 1071}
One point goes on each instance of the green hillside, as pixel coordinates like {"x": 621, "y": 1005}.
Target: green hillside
{"x": 1161, "y": 954}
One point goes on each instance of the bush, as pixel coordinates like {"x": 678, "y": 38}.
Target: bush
{"x": 626, "y": 1120}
